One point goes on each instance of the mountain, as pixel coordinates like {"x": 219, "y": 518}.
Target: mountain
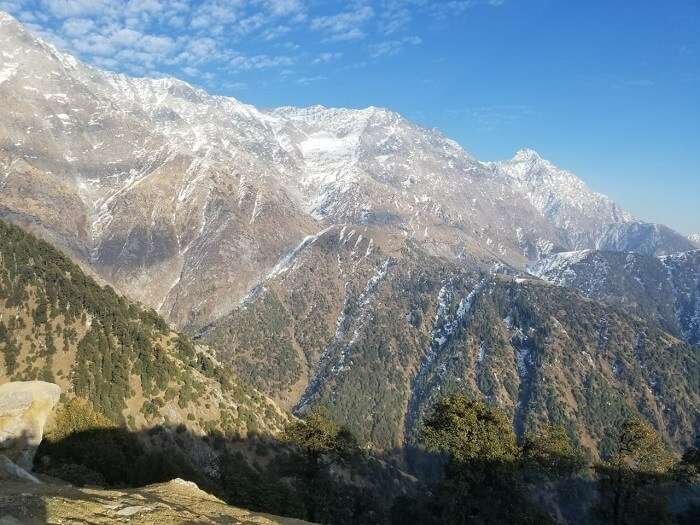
{"x": 587, "y": 219}
{"x": 186, "y": 201}
{"x": 58, "y": 325}
{"x": 665, "y": 289}
{"x": 695, "y": 239}
{"x": 377, "y": 330}
{"x": 344, "y": 257}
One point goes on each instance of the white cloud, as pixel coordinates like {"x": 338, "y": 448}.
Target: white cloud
{"x": 145, "y": 6}
{"x": 14, "y": 7}
{"x": 247, "y": 63}
{"x": 392, "y": 47}
{"x": 344, "y": 26}
{"x": 285, "y": 7}
{"x": 78, "y": 8}
{"x": 276, "y": 32}
{"x": 327, "y": 58}
{"x": 196, "y": 37}
{"x": 308, "y": 80}
{"x": 78, "y": 26}
{"x": 397, "y": 14}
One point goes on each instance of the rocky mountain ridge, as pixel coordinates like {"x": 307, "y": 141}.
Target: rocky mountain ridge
{"x": 665, "y": 289}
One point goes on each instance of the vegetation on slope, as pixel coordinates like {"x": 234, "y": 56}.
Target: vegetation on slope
{"x": 473, "y": 469}
{"x": 378, "y": 334}
{"x": 57, "y": 324}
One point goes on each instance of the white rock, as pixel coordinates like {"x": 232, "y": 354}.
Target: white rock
{"x": 24, "y": 408}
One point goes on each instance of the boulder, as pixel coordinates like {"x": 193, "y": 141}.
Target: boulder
{"x": 24, "y": 408}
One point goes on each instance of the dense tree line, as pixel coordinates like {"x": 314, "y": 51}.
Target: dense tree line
{"x": 119, "y": 337}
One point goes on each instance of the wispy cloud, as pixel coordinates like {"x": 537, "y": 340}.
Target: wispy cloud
{"x": 327, "y": 58}
{"x": 208, "y": 41}
{"x": 308, "y": 80}
{"x": 348, "y": 25}
{"x": 392, "y": 47}
{"x": 493, "y": 117}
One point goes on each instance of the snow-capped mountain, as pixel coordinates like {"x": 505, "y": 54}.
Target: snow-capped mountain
{"x": 186, "y": 201}
{"x": 695, "y": 239}
{"x": 561, "y": 197}
{"x": 586, "y": 218}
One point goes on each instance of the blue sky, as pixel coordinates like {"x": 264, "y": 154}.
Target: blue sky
{"x": 607, "y": 88}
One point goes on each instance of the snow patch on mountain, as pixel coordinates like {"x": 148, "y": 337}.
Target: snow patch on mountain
{"x": 7, "y": 71}
{"x": 558, "y": 268}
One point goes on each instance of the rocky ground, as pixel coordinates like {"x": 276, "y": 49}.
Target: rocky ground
{"x": 29, "y": 498}
{"x": 177, "y": 501}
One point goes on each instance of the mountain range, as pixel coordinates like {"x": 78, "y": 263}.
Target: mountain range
{"x": 349, "y": 257}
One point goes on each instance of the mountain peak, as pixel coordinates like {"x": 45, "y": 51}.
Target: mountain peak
{"x": 6, "y": 19}
{"x": 526, "y": 154}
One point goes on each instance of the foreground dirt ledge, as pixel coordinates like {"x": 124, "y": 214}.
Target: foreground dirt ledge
{"x": 176, "y": 501}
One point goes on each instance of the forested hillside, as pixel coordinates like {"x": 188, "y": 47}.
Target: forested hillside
{"x": 378, "y": 329}
{"x": 58, "y": 325}
{"x": 663, "y": 289}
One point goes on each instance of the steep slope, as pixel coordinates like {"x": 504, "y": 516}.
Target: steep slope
{"x": 643, "y": 238}
{"x": 665, "y": 289}
{"x": 377, "y": 329}
{"x": 695, "y": 239}
{"x": 165, "y": 191}
{"x": 185, "y": 201}
{"x": 586, "y": 219}
{"x": 58, "y": 325}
